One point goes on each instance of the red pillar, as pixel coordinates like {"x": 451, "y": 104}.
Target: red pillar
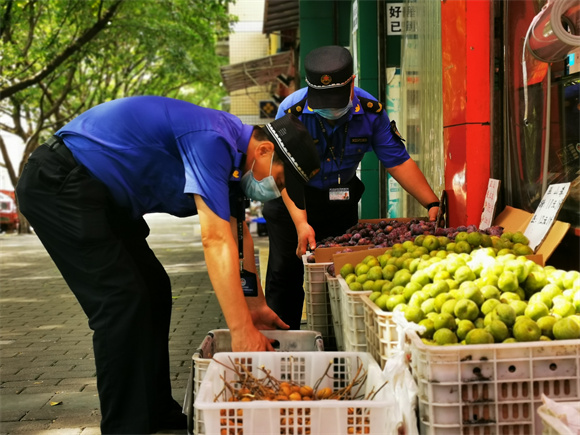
{"x": 466, "y": 42}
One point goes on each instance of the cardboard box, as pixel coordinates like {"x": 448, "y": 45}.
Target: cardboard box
{"x": 513, "y": 219}
{"x": 324, "y": 255}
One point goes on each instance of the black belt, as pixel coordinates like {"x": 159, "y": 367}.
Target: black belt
{"x": 56, "y": 144}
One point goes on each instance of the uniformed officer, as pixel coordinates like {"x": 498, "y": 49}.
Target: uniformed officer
{"x": 345, "y": 122}
{"x": 85, "y": 192}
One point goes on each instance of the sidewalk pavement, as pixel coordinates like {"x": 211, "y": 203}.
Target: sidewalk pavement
{"x": 47, "y": 370}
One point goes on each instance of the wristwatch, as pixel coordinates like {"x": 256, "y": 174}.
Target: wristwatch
{"x": 431, "y": 205}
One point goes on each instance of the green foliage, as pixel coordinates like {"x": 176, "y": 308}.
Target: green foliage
{"x": 60, "y": 57}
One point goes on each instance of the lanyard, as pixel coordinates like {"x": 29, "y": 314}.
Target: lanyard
{"x": 331, "y": 148}
{"x": 242, "y": 203}
{"x": 248, "y": 279}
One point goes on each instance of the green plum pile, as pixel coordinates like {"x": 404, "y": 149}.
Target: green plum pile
{"x": 485, "y": 295}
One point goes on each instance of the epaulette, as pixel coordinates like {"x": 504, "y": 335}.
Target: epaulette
{"x": 369, "y": 105}
{"x": 297, "y": 108}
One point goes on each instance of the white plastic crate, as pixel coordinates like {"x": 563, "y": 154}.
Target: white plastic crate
{"x": 333, "y": 286}
{"x": 316, "y": 297}
{"x": 492, "y": 388}
{"x": 314, "y": 272}
{"x": 553, "y": 425}
{"x": 316, "y": 417}
{"x": 219, "y": 340}
{"x": 380, "y": 331}
{"x": 372, "y": 333}
{"x": 353, "y": 318}
{"x": 372, "y": 329}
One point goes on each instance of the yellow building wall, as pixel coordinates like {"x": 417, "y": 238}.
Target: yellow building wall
{"x": 247, "y": 42}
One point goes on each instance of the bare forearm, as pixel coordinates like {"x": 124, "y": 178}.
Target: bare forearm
{"x": 306, "y": 236}
{"x": 414, "y": 182}
{"x": 223, "y": 269}
{"x": 221, "y": 257}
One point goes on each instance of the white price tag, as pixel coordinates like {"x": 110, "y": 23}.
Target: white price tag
{"x": 546, "y": 213}
{"x": 489, "y": 204}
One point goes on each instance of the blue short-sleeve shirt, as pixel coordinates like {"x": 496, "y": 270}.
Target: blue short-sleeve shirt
{"x": 151, "y": 152}
{"x": 342, "y": 147}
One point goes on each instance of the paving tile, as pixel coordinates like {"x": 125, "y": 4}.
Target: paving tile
{"x": 46, "y": 344}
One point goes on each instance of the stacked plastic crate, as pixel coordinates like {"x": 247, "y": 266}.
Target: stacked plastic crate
{"x": 333, "y": 286}
{"x": 218, "y": 341}
{"x": 317, "y": 299}
{"x": 365, "y": 408}
{"x": 352, "y": 317}
{"x": 380, "y": 331}
{"x": 493, "y": 388}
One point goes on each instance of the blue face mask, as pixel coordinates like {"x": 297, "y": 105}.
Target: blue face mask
{"x": 334, "y": 113}
{"x": 263, "y": 190}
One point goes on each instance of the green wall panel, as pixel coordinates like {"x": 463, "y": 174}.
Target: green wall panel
{"x": 329, "y": 22}
{"x": 367, "y": 45}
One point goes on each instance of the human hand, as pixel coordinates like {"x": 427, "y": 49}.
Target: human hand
{"x": 251, "y": 341}
{"x": 306, "y": 237}
{"x": 433, "y": 211}
{"x": 262, "y": 315}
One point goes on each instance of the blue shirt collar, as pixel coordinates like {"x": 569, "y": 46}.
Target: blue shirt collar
{"x": 244, "y": 138}
{"x": 242, "y": 147}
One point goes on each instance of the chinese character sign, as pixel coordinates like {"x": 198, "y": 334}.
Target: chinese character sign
{"x": 546, "y": 213}
{"x": 394, "y": 18}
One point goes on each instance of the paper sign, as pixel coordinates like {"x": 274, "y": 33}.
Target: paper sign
{"x": 394, "y": 18}
{"x": 546, "y": 213}
{"x": 489, "y": 204}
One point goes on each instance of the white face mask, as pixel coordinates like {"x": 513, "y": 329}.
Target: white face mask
{"x": 334, "y": 113}
{"x": 263, "y": 190}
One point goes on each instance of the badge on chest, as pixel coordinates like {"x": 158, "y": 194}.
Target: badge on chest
{"x": 339, "y": 194}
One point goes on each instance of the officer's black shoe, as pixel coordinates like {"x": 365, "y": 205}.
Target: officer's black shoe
{"x": 173, "y": 420}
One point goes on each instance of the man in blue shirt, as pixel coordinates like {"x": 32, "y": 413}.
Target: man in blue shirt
{"x": 345, "y": 123}
{"x": 85, "y": 192}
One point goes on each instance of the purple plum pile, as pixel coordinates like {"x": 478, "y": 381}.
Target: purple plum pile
{"x": 388, "y": 233}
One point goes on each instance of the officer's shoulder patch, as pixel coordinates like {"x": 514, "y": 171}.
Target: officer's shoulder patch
{"x": 297, "y": 108}
{"x": 369, "y": 105}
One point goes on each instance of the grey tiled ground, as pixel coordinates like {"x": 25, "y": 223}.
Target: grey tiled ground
{"x": 47, "y": 372}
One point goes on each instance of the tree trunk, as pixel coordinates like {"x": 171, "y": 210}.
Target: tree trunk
{"x": 24, "y": 225}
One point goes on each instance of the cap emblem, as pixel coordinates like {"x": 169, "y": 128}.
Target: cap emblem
{"x": 326, "y": 79}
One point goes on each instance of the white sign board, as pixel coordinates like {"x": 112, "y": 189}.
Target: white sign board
{"x": 394, "y": 19}
{"x": 489, "y": 204}
{"x": 546, "y": 213}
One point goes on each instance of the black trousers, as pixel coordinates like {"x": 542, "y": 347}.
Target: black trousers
{"x": 285, "y": 273}
{"x": 122, "y": 287}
